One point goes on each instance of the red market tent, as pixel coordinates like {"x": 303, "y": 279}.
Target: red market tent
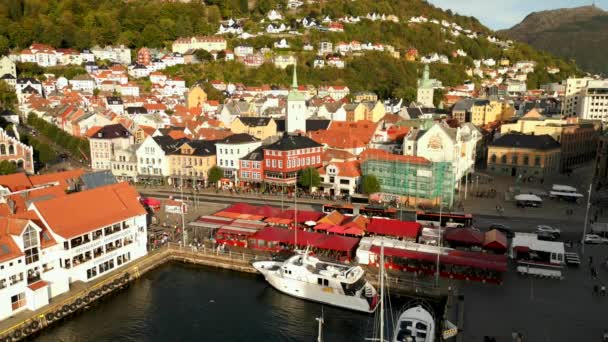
{"x": 338, "y": 243}
{"x": 409, "y": 230}
{"x": 466, "y": 236}
{"x": 336, "y": 230}
{"x": 354, "y": 231}
{"x": 495, "y": 240}
{"x": 302, "y": 215}
{"x": 151, "y": 202}
{"x": 323, "y": 226}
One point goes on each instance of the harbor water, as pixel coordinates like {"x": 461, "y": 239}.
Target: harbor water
{"x": 185, "y": 303}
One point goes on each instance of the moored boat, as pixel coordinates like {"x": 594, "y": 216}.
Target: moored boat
{"x": 305, "y": 276}
{"x": 415, "y": 324}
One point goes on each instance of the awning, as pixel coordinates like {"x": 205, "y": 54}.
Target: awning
{"x": 237, "y": 231}
{"x": 495, "y": 240}
{"x": 323, "y": 226}
{"x": 394, "y": 228}
{"x": 521, "y": 249}
{"x": 336, "y": 230}
{"x": 465, "y": 235}
{"x": 354, "y": 231}
{"x": 302, "y": 215}
{"x": 338, "y": 243}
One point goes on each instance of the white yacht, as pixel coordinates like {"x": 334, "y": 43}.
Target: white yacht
{"x": 415, "y": 324}
{"x": 304, "y": 276}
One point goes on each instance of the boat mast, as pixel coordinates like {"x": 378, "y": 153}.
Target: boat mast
{"x": 382, "y": 291}
{"x": 295, "y": 215}
{"x": 439, "y": 243}
{"x": 321, "y": 321}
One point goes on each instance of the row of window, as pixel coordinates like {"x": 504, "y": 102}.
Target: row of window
{"x": 293, "y": 152}
{"x": 150, "y": 161}
{"x": 247, "y": 163}
{"x": 291, "y": 163}
{"x": 225, "y": 163}
{"x": 251, "y": 175}
{"x": 515, "y": 159}
{"x": 11, "y": 149}
{"x": 123, "y": 167}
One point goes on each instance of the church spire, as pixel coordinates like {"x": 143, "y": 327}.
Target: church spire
{"x": 294, "y": 83}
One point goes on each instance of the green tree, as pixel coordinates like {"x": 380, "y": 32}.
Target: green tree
{"x": 370, "y": 184}
{"x": 309, "y": 178}
{"x": 8, "y": 97}
{"x": 4, "y": 45}
{"x": 214, "y": 175}
{"x": 203, "y": 55}
{"x": 7, "y": 167}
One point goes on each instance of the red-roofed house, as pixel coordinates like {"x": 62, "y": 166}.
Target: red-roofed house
{"x": 340, "y": 178}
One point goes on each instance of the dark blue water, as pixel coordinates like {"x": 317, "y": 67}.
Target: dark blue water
{"x": 185, "y": 303}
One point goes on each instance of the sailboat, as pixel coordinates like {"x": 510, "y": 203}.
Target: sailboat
{"x": 416, "y": 324}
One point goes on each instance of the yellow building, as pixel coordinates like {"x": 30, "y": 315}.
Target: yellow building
{"x": 196, "y": 97}
{"x": 261, "y": 128}
{"x": 192, "y": 161}
{"x": 524, "y": 155}
{"x": 486, "y": 111}
{"x": 578, "y": 138}
{"x": 369, "y": 111}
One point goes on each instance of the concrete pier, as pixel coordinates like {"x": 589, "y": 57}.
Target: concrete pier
{"x": 82, "y": 296}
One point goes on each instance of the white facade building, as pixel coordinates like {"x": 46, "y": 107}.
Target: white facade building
{"x": 232, "y": 149}
{"x": 296, "y": 108}
{"x": 594, "y": 101}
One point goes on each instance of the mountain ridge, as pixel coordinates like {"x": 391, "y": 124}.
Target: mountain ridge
{"x": 571, "y": 33}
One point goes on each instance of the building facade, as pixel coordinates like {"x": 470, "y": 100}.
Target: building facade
{"x": 521, "y": 155}
{"x": 426, "y": 89}
{"x": 260, "y": 128}
{"x": 192, "y": 160}
{"x": 16, "y": 152}
{"x": 417, "y": 180}
{"x": 571, "y": 101}
{"x": 295, "y": 120}
{"x": 340, "y": 178}
{"x": 600, "y": 174}
{"x": 231, "y": 149}
{"x": 251, "y": 168}
{"x": 103, "y": 143}
{"x": 290, "y": 154}
{"x": 594, "y": 101}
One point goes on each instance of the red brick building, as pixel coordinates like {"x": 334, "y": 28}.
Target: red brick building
{"x": 251, "y": 168}
{"x": 284, "y": 158}
{"x": 16, "y": 152}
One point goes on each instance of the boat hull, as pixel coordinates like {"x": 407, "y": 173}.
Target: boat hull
{"x": 311, "y": 292}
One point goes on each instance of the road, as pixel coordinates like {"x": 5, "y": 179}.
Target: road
{"x": 571, "y": 229}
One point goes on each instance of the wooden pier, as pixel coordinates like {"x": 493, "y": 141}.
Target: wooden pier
{"x": 82, "y": 295}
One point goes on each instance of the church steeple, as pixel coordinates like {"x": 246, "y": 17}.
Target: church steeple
{"x": 294, "y": 83}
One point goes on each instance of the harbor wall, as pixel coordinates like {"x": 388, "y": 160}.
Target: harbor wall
{"x": 27, "y": 324}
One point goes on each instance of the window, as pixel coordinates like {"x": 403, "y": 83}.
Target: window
{"x": 31, "y": 255}
{"x": 18, "y": 301}
{"x": 493, "y": 159}
{"x": 514, "y": 159}
{"x": 526, "y": 160}
{"x": 267, "y": 162}
{"x": 280, "y": 164}
{"x": 503, "y": 159}
{"x": 30, "y": 238}
{"x": 537, "y": 160}
{"x": 274, "y": 163}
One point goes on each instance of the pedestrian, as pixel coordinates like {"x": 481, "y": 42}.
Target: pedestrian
{"x": 590, "y": 260}
{"x": 596, "y": 290}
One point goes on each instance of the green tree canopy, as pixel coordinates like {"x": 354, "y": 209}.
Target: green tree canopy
{"x": 215, "y": 174}
{"x": 7, "y": 167}
{"x": 8, "y": 97}
{"x": 370, "y": 184}
{"x": 309, "y": 178}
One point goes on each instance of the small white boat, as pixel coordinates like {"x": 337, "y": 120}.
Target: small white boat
{"x": 415, "y": 324}
{"x": 304, "y": 276}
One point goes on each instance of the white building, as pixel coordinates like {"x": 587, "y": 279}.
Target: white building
{"x": 571, "y": 102}
{"x": 340, "y": 178}
{"x": 152, "y": 161}
{"x": 233, "y": 148}
{"x": 594, "y": 101}
{"x": 117, "y": 54}
{"x": 296, "y": 108}
{"x": 75, "y": 237}
{"x": 103, "y": 141}
{"x": 441, "y": 143}
{"x": 426, "y": 89}
{"x": 7, "y": 66}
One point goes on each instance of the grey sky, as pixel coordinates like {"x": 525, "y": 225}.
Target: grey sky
{"x": 500, "y": 14}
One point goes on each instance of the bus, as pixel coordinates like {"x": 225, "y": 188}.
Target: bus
{"x": 344, "y": 209}
{"x": 378, "y": 211}
{"x": 451, "y": 220}
{"x": 566, "y": 193}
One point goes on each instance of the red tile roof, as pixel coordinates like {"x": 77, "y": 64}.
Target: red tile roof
{"x": 377, "y": 154}
{"x": 83, "y": 212}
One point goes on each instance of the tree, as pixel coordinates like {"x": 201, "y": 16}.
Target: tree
{"x": 214, "y": 174}
{"x": 370, "y": 184}
{"x": 309, "y": 177}
{"x": 203, "y": 55}
{"x": 7, "y": 167}
{"x": 8, "y": 97}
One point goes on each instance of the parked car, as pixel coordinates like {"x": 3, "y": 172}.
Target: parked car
{"x": 546, "y": 236}
{"x": 503, "y": 229}
{"x": 548, "y": 230}
{"x": 593, "y": 239}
